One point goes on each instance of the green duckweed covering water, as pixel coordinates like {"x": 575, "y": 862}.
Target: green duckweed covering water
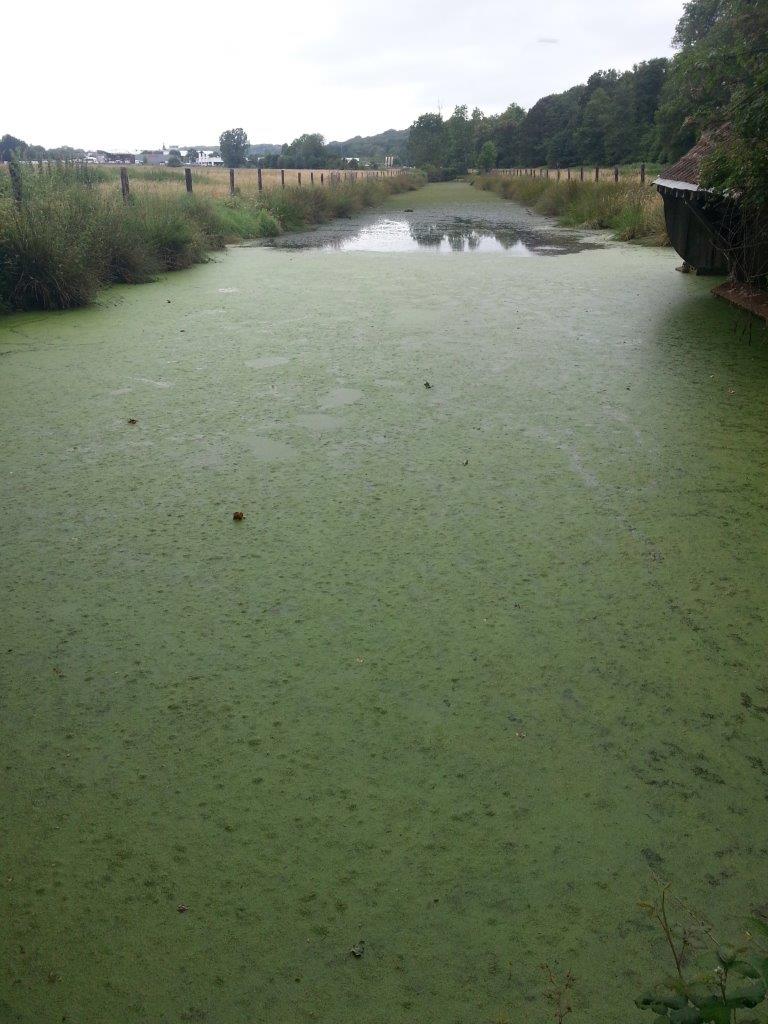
{"x": 457, "y": 711}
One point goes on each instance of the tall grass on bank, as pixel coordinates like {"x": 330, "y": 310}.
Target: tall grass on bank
{"x": 634, "y": 212}
{"x": 70, "y": 237}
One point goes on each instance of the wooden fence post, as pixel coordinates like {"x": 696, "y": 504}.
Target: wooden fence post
{"x": 597, "y": 174}
{"x": 616, "y": 173}
{"x": 322, "y": 177}
{"x": 642, "y": 174}
{"x": 311, "y": 177}
{"x": 582, "y": 174}
{"x": 558, "y": 172}
{"x": 569, "y": 173}
{"x": 282, "y": 177}
{"x": 124, "y": 186}
{"x": 261, "y": 183}
{"x": 188, "y": 178}
{"x": 15, "y": 172}
{"x": 299, "y": 174}
{"x": 231, "y": 181}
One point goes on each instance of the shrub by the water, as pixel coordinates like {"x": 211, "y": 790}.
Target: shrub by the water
{"x": 631, "y": 210}
{"x": 73, "y": 234}
{"x": 711, "y": 981}
{"x": 48, "y": 259}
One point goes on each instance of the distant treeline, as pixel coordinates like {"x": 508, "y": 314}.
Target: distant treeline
{"x": 611, "y": 119}
{"x": 11, "y": 146}
{"x": 311, "y": 150}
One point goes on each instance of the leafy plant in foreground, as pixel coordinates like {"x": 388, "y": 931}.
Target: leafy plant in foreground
{"x": 713, "y": 982}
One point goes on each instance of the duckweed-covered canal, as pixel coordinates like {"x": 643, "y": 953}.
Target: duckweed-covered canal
{"x": 471, "y": 666}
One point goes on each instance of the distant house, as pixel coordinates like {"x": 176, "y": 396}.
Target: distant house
{"x": 117, "y": 158}
{"x": 209, "y": 158}
{"x": 153, "y": 157}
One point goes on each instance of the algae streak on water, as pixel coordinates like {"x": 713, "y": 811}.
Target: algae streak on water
{"x": 470, "y": 665}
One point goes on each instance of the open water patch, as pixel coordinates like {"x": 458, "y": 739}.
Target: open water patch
{"x": 436, "y": 232}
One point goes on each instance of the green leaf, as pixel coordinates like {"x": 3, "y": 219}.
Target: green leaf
{"x": 760, "y": 963}
{"x": 716, "y": 1013}
{"x": 645, "y": 1000}
{"x": 686, "y": 1015}
{"x": 745, "y": 969}
{"x": 674, "y": 1000}
{"x": 726, "y": 954}
{"x": 701, "y": 995}
{"x": 745, "y": 995}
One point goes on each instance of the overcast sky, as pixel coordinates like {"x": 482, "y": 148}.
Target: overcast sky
{"x": 137, "y": 75}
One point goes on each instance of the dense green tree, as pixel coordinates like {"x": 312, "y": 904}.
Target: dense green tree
{"x": 722, "y": 73}
{"x": 308, "y": 150}
{"x": 504, "y": 131}
{"x": 234, "y": 147}
{"x": 648, "y": 78}
{"x": 717, "y": 75}
{"x": 562, "y": 122}
{"x": 621, "y": 138}
{"x": 488, "y": 156}
{"x": 590, "y": 136}
{"x": 10, "y": 146}
{"x": 426, "y": 141}
{"x": 459, "y": 148}
{"x": 698, "y": 19}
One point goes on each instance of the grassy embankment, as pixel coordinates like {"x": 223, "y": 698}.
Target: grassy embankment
{"x": 73, "y": 234}
{"x": 634, "y": 212}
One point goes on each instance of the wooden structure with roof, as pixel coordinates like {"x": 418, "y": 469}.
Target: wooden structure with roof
{"x": 699, "y": 222}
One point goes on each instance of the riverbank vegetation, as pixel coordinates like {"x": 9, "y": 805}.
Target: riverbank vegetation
{"x": 633, "y": 211}
{"x": 712, "y": 980}
{"x": 72, "y": 233}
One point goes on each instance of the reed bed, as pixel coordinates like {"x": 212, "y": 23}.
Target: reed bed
{"x": 633, "y": 211}
{"x": 72, "y": 233}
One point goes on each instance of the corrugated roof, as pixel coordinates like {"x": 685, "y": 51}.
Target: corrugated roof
{"x": 688, "y": 168}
